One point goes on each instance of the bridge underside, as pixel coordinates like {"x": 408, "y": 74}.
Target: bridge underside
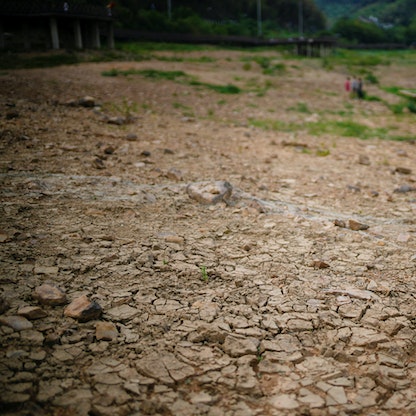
{"x": 55, "y": 32}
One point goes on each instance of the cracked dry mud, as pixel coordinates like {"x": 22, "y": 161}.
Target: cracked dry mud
{"x": 271, "y": 301}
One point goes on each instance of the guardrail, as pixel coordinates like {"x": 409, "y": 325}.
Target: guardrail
{"x": 45, "y": 7}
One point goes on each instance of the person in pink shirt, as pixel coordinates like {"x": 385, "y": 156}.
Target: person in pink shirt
{"x": 347, "y": 85}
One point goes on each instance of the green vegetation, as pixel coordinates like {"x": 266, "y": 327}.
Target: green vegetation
{"x": 178, "y": 76}
{"x": 229, "y": 18}
{"x": 204, "y": 274}
{"x": 345, "y": 128}
{"x": 301, "y": 108}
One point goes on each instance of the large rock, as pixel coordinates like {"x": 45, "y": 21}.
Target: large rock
{"x": 47, "y": 294}
{"x": 210, "y": 192}
{"x": 83, "y": 310}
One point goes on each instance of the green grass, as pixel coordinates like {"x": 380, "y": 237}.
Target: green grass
{"x": 346, "y": 128}
{"x": 178, "y": 76}
{"x": 204, "y": 274}
{"x": 301, "y": 108}
{"x": 23, "y": 61}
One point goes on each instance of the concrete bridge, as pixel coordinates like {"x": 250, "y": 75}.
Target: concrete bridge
{"x": 55, "y": 24}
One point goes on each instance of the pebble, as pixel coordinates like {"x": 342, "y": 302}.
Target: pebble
{"x": 47, "y": 294}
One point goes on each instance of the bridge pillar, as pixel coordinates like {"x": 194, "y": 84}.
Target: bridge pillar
{"x": 54, "y": 33}
{"x": 77, "y": 34}
{"x": 110, "y": 35}
{"x": 95, "y": 35}
{"x": 2, "y": 39}
{"x": 26, "y": 36}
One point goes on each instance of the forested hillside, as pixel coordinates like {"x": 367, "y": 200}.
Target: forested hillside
{"x": 397, "y": 12}
{"x": 222, "y": 16}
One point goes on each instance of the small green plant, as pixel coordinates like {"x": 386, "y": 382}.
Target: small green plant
{"x": 411, "y": 106}
{"x": 371, "y": 78}
{"x": 274, "y": 69}
{"x": 204, "y": 274}
{"x": 323, "y": 152}
{"x": 247, "y": 66}
{"x": 301, "y": 108}
{"x": 397, "y": 108}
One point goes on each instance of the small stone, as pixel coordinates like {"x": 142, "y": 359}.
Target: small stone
{"x": 119, "y": 121}
{"x": 403, "y": 238}
{"x": 357, "y": 226}
{"x": 122, "y": 312}
{"x": 50, "y": 295}
{"x": 32, "y": 312}
{"x": 210, "y": 192}
{"x": 403, "y": 171}
{"x": 83, "y": 310}
{"x": 109, "y": 150}
{"x": 131, "y": 137}
{"x": 284, "y": 402}
{"x": 174, "y": 174}
{"x": 86, "y": 101}
{"x": 319, "y": 264}
{"x": 106, "y": 331}
{"x": 98, "y": 163}
{"x": 18, "y": 323}
{"x": 404, "y": 189}
{"x": 364, "y": 160}
{"x": 174, "y": 239}
{"x": 340, "y": 223}
{"x": 146, "y": 153}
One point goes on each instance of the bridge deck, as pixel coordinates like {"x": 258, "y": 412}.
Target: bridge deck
{"x": 39, "y": 8}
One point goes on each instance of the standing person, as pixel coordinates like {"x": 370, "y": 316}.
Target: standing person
{"x": 354, "y": 88}
{"x": 347, "y": 86}
{"x": 360, "y": 91}
{"x": 110, "y": 7}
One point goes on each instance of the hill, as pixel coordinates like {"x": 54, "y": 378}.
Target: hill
{"x": 399, "y": 12}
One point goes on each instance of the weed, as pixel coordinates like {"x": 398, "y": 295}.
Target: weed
{"x": 411, "y": 106}
{"x": 301, "y": 108}
{"x": 397, "y": 108}
{"x": 371, "y": 78}
{"x": 247, "y": 66}
{"x": 204, "y": 274}
{"x": 323, "y": 152}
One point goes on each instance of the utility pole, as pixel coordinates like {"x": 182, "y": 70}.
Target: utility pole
{"x": 300, "y": 18}
{"x": 169, "y": 9}
{"x": 259, "y": 29}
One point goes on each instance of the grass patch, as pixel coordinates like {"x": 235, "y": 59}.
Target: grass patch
{"x": 334, "y": 128}
{"x": 178, "y": 76}
{"x": 346, "y": 129}
{"x": 222, "y": 89}
{"x": 301, "y": 108}
{"x": 24, "y": 61}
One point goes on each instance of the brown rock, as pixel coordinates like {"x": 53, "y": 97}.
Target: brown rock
{"x": 32, "y": 312}
{"x": 357, "y": 226}
{"x": 106, "y": 331}
{"x": 50, "y": 295}
{"x": 403, "y": 171}
{"x": 83, "y": 310}
{"x": 18, "y": 323}
{"x": 340, "y": 223}
{"x": 319, "y": 264}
